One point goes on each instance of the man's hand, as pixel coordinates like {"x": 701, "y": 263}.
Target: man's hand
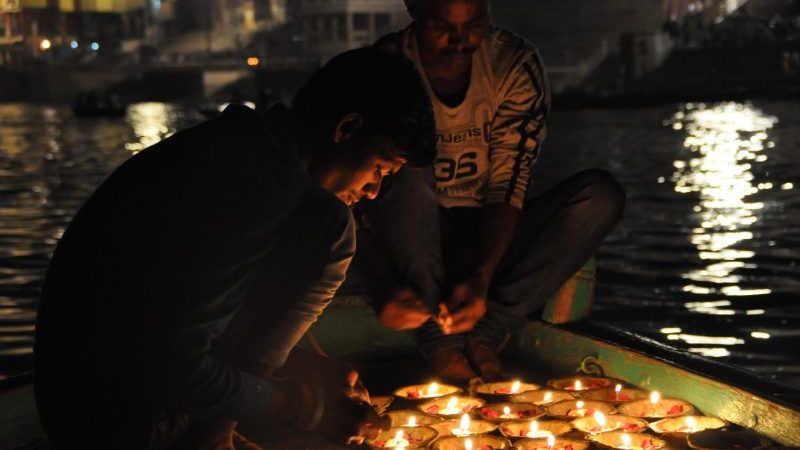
{"x": 242, "y": 443}
{"x": 405, "y": 310}
{"x": 216, "y": 435}
{"x": 346, "y": 412}
{"x": 311, "y": 368}
{"x": 348, "y": 421}
{"x": 465, "y": 307}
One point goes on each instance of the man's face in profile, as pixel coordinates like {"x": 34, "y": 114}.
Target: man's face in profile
{"x": 359, "y": 172}
{"x": 451, "y": 30}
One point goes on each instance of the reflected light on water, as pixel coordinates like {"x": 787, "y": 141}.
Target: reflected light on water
{"x": 670, "y": 330}
{"x": 705, "y": 340}
{"x": 150, "y": 124}
{"x": 715, "y": 352}
{"x": 725, "y": 141}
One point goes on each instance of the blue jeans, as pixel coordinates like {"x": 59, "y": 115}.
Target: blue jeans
{"x": 415, "y": 242}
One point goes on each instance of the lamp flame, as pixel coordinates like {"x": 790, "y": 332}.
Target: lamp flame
{"x": 468, "y": 444}
{"x": 655, "y": 397}
{"x": 412, "y": 421}
{"x": 579, "y": 404}
{"x": 626, "y": 440}
{"x": 464, "y": 426}
{"x": 432, "y": 389}
{"x": 578, "y": 385}
{"x": 506, "y": 411}
{"x": 399, "y": 441}
{"x": 452, "y": 403}
{"x": 551, "y": 441}
{"x": 691, "y": 423}
{"x": 548, "y": 396}
{"x": 515, "y": 387}
{"x": 600, "y": 419}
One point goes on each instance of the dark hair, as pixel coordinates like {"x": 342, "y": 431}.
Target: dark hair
{"x": 384, "y": 88}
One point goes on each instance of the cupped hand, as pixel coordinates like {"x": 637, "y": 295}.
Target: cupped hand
{"x": 465, "y": 307}
{"x": 348, "y": 421}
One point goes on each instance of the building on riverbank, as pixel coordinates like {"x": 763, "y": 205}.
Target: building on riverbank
{"x": 185, "y": 49}
{"x": 333, "y": 26}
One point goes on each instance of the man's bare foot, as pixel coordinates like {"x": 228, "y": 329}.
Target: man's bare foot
{"x": 484, "y": 358}
{"x": 451, "y": 365}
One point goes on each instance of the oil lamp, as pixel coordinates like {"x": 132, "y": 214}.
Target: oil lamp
{"x": 463, "y": 428}
{"x": 535, "y": 432}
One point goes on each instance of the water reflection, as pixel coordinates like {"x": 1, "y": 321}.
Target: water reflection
{"x": 725, "y": 141}
{"x": 50, "y": 162}
{"x": 151, "y": 122}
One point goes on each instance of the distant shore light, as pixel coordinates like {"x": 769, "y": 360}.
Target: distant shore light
{"x": 95, "y": 46}
{"x": 73, "y": 44}
{"x": 45, "y": 44}
{"x": 252, "y": 61}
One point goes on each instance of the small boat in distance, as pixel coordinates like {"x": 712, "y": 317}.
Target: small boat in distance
{"x": 90, "y": 105}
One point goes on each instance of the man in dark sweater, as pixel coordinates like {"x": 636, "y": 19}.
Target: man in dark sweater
{"x": 186, "y": 279}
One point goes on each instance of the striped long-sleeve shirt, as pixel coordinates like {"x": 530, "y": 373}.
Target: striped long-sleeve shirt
{"x": 487, "y": 145}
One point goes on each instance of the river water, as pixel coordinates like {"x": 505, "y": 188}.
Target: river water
{"x": 706, "y": 257}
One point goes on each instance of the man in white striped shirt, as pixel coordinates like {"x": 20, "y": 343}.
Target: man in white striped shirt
{"x": 471, "y": 254}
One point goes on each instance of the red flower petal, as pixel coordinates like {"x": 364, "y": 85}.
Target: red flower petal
{"x": 677, "y": 409}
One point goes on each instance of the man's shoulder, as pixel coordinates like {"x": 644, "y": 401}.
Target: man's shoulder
{"x": 505, "y": 44}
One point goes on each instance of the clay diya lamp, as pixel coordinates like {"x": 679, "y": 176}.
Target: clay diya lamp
{"x": 426, "y": 391}
{"x": 381, "y": 402}
{"x": 534, "y": 429}
{"x": 463, "y": 427}
{"x": 498, "y": 412}
{"x": 627, "y": 441}
{"x": 583, "y": 383}
{"x": 573, "y": 409}
{"x": 551, "y": 443}
{"x": 453, "y": 406}
{"x": 616, "y": 395}
{"x": 542, "y": 397}
{"x": 502, "y": 390}
{"x": 411, "y": 418}
{"x": 481, "y": 442}
{"x": 404, "y": 437}
{"x": 600, "y": 423}
{"x": 656, "y": 407}
{"x": 680, "y": 427}
{"x": 727, "y": 439}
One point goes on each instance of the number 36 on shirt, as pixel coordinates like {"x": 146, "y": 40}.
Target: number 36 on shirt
{"x": 447, "y": 169}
